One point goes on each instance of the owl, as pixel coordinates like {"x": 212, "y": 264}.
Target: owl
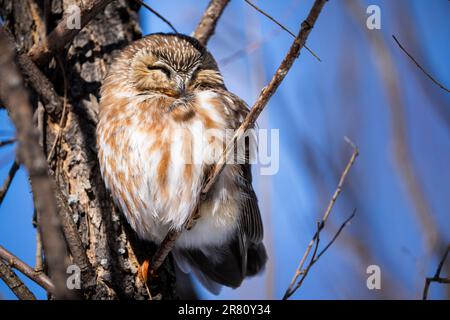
{"x": 163, "y": 117}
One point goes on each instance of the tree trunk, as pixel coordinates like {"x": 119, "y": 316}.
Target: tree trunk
{"x": 100, "y": 241}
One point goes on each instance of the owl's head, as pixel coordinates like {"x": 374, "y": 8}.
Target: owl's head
{"x": 171, "y": 64}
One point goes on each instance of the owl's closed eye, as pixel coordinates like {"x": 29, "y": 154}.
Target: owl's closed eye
{"x": 173, "y": 71}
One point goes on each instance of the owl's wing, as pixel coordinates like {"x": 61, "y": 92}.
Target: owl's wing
{"x": 250, "y": 233}
{"x": 250, "y": 217}
{"x": 250, "y": 222}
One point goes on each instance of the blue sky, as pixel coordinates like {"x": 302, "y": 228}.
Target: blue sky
{"x": 315, "y": 107}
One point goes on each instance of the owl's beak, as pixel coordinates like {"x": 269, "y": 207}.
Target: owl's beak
{"x": 181, "y": 83}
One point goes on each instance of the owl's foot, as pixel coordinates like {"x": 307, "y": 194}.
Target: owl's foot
{"x": 144, "y": 272}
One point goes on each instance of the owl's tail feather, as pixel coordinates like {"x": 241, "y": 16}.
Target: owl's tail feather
{"x": 227, "y": 265}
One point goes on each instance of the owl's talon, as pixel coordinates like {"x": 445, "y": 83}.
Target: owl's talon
{"x": 143, "y": 271}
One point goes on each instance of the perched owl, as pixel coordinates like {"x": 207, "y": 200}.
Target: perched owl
{"x": 161, "y": 95}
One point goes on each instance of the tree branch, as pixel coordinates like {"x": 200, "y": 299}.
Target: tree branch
{"x": 38, "y": 277}
{"x": 15, "y": 98}
{"x": 264, "y": 97}
{"x": 8, "y": 180}
{"x": 35, "y": 78}
{"x": 207, "y": 25}
{"x": 280, "y": 25}
{"x": 315, "y": 257}
{"x": 7, "y": 142}
{"x": 300, "y": 271}
{"x": 53, "y": 103}
{"x": 419, "y": 66}
{"x": 156, "y": 13}
{"x": 437, "y": 276}
{"x": 14, "y": 283}
{"x": 61, "y": 35}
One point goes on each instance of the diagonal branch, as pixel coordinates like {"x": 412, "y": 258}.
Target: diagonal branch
{"x": 16, "y": 100}
{"x": 207, "y": 25}
{"x": 419, "y": 66}
{"x": 62, "y": 34}
{"x": 315, "y": 257}
{"x": 7, "y": 142}
{"x": 437, "y": 276}
{"x": 38, "y": 81}
{"x": 14, "y": 283}
{"x": 53, "y": 103}
{"x": 267, "y": 92}
{"x": 300, "y": 270}
{"x": 156, "y": 13}
{"x": 8, "y": 180}
{"x": 38, "y": 277}
{"x": 279, "y": 24}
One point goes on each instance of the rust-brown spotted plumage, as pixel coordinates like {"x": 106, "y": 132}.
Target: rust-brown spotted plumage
{"x": 164, "y": 110}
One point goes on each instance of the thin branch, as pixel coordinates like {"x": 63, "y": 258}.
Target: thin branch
{"x": 280, "y": 25}
{"x": 16, "y": 100}
{"x": 8, "y": 180}
{"x": 62, "y": 121}
{"x": 336, "y": 235}
{"x": 53, "y": 103}
{"x": 14, "y": 283}
{"x": 247, "y": 49}
{"x": 419, "y": 66}
{"x": 142, "y": 3}
{"x": 290, "y": 290}
{"x": 38, "y": 277}
{"x": 74, "y": 242}
{"x": 207, "y": 24}
{"x": 7, "y": 142}
{"x": 62, "y": 34}
{"x": 264, "y": 97}
{"x": 437, "y": 276}
{"x": 36, "y": 79}
{"x": 315, "y": 257}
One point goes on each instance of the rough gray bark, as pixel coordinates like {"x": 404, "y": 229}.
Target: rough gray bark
{"x": 104, "y": 246}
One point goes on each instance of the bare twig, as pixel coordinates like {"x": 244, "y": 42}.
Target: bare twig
{"x": 290, "y": 290}
{"x": 279, "y": 24}
{"x": 142, "y": 3}
{"x": 207, "y": 25}
{"x": 7, "y": 142}
{"x": 62, "y": 121}
{"x": 419, "y": 66}
{"x": 74, "y": 242}
{"x": 437, "y": 276}
{"x": 53, "y": 103}
{"x": 15, "y": 98}
{"x": 248, "y": 48}
{"x": 38, "y": 277}
{"x": 14, "y": 283}
{"x": 39, "y": 82}
{"x": 8, "y": 180}
{"x": 306, "y": 26}
{"x": 38, "y": 262}
{"x": 315, "y": 257}
{"x": 62, "y": 34}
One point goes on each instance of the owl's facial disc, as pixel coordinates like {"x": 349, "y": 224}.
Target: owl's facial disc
{"x": 172, "y": 66}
